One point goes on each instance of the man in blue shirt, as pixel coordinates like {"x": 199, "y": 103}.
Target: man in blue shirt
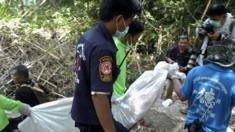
{"x": 96, "y": 68}
{"x": 212, "y": 91}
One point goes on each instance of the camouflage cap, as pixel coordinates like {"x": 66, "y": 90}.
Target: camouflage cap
{"x": 220, "y": 55}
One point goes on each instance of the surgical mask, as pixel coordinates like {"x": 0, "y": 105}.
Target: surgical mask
{"x": 120, "y": 34}
{"x": 216, "y": 23}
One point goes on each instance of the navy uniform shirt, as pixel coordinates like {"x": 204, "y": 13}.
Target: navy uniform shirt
{"x": 95, "y": 70}
{"x": 181, "y": 58}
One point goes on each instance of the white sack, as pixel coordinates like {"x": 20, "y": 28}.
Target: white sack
{"x": 50, "y": 117}
{"x": 55, "y": 116}
{"x": 141, "y": 95}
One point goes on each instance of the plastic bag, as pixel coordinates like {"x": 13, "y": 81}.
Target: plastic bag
{"x": 141, "y": 95}
{"x": 50, "y": 117}
{"x": 55, "y": 116}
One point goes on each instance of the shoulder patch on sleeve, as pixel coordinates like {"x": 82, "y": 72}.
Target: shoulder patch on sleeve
{"x": 105, "y": 68}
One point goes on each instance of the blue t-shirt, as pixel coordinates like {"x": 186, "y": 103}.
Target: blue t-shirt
{"x": 95, "y": 71}
{"x": 212, "y": 91}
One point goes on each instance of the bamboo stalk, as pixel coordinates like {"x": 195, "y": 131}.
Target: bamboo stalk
{"x": 53, "y": 74}
{"x": 57, "y": 94}
{"x": 204, "y": 13}
{"x": 47, "y": 82}
{"x": 227, "y": 4}
{"x": 43, "y": 69}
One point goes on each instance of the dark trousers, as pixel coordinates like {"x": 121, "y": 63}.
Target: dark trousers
{"x": 98, "y": 128}
{"x": 11, "y": 127}
{"x": 13, "y": 124}
{"x": 193, "y": 129}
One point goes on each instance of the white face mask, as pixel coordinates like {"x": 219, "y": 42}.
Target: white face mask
{"x": 216, "y": 23}
{"x": 120, "y": 34}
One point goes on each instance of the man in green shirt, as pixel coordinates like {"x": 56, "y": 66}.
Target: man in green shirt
{"x": 7, "y": 104}
{"x": 123, "y": 45}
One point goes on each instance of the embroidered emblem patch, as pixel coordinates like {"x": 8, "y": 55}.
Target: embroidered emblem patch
{"x": 105, "y": 68}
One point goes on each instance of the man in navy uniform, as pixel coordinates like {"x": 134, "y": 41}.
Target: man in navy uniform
{"x": 96, "y": 68}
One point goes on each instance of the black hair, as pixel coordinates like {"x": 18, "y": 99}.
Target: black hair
{"x": 183, "y": 36}
{"x": 216, "y": 9}
{"x": 135, "y": 27}
{"x": 22, "y": 71}
{"x": 112, "y": 8}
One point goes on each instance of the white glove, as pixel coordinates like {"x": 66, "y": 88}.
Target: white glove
{"x": 25, "y": 109}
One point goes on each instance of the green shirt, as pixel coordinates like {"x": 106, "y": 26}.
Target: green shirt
{"x": 120, "y": 84}
{"x": 8, "y": 105}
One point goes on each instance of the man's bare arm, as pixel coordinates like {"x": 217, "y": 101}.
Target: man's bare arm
{"x": 177, "y": 85}
{"x": 103, "y": 111}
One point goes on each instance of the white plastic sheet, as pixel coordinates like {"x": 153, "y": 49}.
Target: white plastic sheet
{"x": 141, "y": 95}
{"x": 55, "y": 116}
{"x": 50, "y": 117}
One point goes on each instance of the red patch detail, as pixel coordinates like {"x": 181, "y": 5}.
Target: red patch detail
{"x": 106, "y": 68}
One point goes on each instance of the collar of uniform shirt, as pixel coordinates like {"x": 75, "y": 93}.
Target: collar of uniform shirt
{"x": 106, "y": 33}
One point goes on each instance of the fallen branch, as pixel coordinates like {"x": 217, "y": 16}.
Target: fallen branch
{"x": 43, "y": 69}
{"x": 47, "y": 82}
{"x": 57, "y": 94}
